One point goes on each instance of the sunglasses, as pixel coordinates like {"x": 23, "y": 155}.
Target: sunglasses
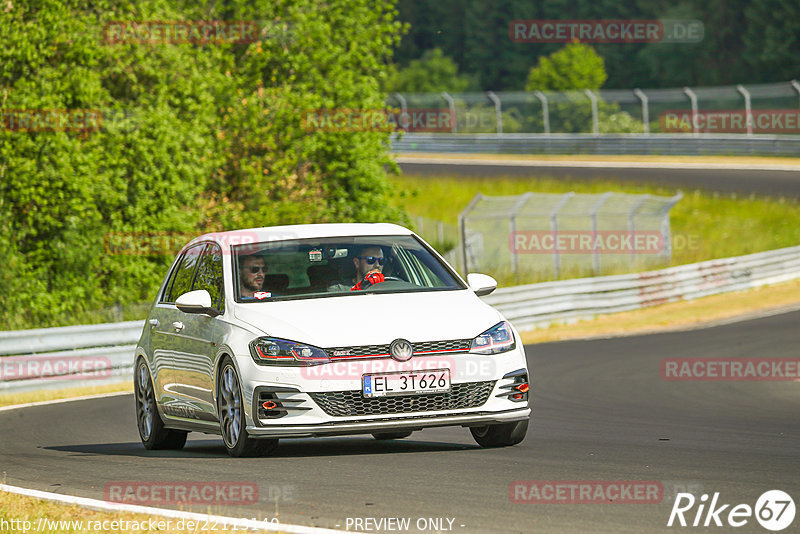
{"x": 372, "y": 259}
{"x": 257, "y": 269}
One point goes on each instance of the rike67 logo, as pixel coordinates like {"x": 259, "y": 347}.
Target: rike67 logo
{"x": 774, "y": 510}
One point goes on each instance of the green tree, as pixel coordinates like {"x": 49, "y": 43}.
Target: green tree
{"x": 214, "y": 138}
{"x": 432, "y": 73}
{"x": 569, "y": 72}
{"x": 576, "y": 66}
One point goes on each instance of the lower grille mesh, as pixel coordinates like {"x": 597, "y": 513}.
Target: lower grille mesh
{"x": 349, "y": 403}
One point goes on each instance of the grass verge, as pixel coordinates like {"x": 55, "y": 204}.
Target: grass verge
{"x": 704, "y": 225}
{"x": 9, "y": 399}
{"x": 676, "y": 315}
{"x": 15, "y": 510}
{"x": 725, "y": 160}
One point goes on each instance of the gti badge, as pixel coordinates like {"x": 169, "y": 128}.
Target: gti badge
{"x": 401, "y": 350}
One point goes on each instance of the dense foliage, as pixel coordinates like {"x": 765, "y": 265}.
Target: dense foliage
{"x": 751, "y": 41}
{"x": 206, "y": 136}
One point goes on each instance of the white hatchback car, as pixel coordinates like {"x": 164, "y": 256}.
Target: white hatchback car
{"x": 320, "y": 330}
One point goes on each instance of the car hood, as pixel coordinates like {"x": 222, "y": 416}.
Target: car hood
{"x": 372, "y": 318}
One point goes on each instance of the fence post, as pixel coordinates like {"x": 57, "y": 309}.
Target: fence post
{"x": 593, "y": 215}
{"x": 665, "y": 230}
{"x": 452, "y": 104}
{"x": 403, "y": 108}
{"x": 693, "y": 100}
{"x": 498, "y": 110}
{"x": 796, "y": 86}
{"x": 513, "y": 224}
{"x": 632, "y": 224}
{"x": 595, "y": 121}
{"x": 462, "y": 228}
{"x": 645, "y": 110}
{"x": 545, "y": 110}
{"x": 554, "y": 229}
{"x": 747, "y": 109}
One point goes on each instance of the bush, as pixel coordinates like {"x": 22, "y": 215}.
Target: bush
{"x": 214, "y": 140}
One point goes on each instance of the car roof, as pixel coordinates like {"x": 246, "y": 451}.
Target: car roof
{"x": 301, "y": 231}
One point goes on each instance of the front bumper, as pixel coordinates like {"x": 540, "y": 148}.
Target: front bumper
{"x": 326, "y": 400}
{"x": 386, "y": 424}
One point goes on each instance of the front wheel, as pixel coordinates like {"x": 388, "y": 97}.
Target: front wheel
{"x": 500, "y": 435}
{"x": 151, "y": 428}
{"x": 232, "y": 420}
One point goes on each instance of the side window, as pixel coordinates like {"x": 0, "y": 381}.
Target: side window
{"x": 209, "y": 275}
{"x": 182, "y": 280}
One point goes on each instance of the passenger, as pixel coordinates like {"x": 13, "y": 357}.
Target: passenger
{"x": 251, "y": 275}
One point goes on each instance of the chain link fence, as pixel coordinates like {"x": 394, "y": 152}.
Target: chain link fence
{"x": 544, "y": 236}
{"x": 748, "y": 110}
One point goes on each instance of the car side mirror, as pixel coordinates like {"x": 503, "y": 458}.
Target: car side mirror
{"x": 481, "y": 284}
{"x": 196, "y": 302}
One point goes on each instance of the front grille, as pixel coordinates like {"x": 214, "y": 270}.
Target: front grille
{"x": 349, "y": 403}
{"x": 382, "y": 351}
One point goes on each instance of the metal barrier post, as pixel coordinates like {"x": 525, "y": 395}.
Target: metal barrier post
{"x": 403, "y": 108}
{"x": 595, "y": 120}
{"x": 693, "y": 99}
{"x": 748, "y": 117}
{"x": 498, "y": 110}
{"x": 645, "y": 110}
{"x": 452, "y": 104}
{"x": 796, "y": 86}
{"x": 545, "y": 110}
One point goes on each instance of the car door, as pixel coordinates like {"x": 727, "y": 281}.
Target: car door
{"x": 195, "y": 349}
{"x": 165, "y": 328}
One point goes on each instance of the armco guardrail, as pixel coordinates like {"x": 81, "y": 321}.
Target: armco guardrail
{"x": 528, "y": 306}
{"x": 67, "y": 356}
{"x": 538, "y": 305}
{"x": 661, "y": 144}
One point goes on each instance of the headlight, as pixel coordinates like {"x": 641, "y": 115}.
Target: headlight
{"x": 274, "y": 351}
{"x": 499, "y": 338}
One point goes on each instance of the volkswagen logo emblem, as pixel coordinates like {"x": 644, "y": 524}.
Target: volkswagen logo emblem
{"x": 401, "y": 350}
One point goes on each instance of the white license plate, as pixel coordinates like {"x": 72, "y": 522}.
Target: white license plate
{"x": 406, "y": 383}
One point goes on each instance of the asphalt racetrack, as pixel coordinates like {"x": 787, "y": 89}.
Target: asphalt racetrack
{"x": 762, "y": 182}
{"x": 601, "y": 411}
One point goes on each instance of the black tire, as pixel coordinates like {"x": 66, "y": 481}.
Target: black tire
{"x": 500, "y": 435}
{"x": 152, "y": 432}
{"x": 232, "y": 423}
{"x": 391, "y": 435}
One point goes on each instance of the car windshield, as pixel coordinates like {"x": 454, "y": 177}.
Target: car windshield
{"x": 335, "y": 266}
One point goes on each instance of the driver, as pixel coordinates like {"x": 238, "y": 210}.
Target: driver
{"x": 369, "y": 262}
{"x": 369, "y": 266}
